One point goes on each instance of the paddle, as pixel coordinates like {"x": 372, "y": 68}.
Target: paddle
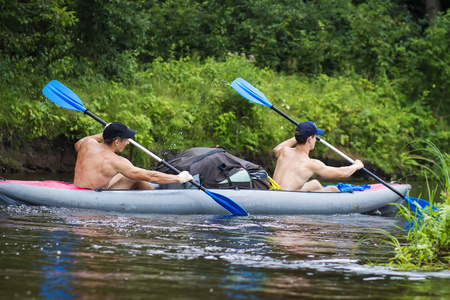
{"x": 252, "y": 94}
{"x": 64, "y": 97}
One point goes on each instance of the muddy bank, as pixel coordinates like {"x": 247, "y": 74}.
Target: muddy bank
{"x": 37, "y": 156}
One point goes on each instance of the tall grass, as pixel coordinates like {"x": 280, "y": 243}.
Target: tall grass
{"x": 425, "y": 244}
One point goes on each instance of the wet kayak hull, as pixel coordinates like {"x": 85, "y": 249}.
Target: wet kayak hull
{"x": 377, "y": 199}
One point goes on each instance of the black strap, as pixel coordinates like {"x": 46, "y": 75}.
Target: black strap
{"x": 227, "y": 175}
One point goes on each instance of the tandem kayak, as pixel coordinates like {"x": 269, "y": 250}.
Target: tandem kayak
{"x": 375, "y": 200}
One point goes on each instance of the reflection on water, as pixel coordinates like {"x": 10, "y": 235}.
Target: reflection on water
{"x": 55, "y": 267}
{"x": 67, "y": 253}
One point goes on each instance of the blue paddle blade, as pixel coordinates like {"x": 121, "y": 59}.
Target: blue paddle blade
{"x": 249, "y": 92}
{"x": 63, "y": 96}
{"x": 228, "y": 204}
{"x": 415, "y": 204}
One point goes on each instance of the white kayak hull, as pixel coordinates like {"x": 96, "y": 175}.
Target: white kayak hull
{"x": 378, "y": 199}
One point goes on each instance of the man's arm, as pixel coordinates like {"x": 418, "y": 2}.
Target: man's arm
{"x": 328, "y": 172}
{"x": 287, "y": 143}
{"x": 127, "y": 169}
{"x": 97, "y": 137}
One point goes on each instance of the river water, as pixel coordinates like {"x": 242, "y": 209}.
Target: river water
{"x": 57, "y": 253}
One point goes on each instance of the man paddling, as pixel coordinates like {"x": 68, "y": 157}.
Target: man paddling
{"x": 294, "y": 167}
{"x": 98, "y": 166}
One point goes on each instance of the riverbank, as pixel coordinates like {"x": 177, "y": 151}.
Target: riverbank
{"x": 38, "y": 156}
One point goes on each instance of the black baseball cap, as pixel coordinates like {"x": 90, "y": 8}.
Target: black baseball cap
{"x": 117, "y": 129}
{"x": 308, "y": 128}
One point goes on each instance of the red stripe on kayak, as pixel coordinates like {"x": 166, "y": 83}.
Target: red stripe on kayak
{"x": 46, "y": 183}
{"x": 377, "y": 187}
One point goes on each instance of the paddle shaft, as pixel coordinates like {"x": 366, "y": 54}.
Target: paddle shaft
{"x": 136, "y": 144}
{"x": 162, "y": 161}
{"x": 341, "y": 154}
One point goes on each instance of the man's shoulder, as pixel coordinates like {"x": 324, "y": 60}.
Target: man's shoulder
{"x": 285, "y": 153}
{"x": 87, "y": 140}
{"x": 287, "y": 149}
{"x": 115, "y": 159}
{"x": 316, "y": 164}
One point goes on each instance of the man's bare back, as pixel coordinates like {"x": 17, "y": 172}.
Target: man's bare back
{"x": 294, "y": 166}
{"x": 98, "y": 166}
{"x": 292, "y": 169}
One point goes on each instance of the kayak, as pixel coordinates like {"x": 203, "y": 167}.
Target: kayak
{"x": 377, "y": 199}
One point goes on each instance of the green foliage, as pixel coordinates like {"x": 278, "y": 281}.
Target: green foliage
{"x": 110, "y": 34}
{"x": 377, "y": 32}
{"x": 179, "y": 104}
{"x": 382, "y": 40}
{"x": 426, "y": 245}
{"x": 427, "y": 65}
{"x": 435, "y": 165}
{"x": 34, "y": 35}
{"x": 295, "y": 36}
{"x": 60, "y": 38}
{"x": 211, "y": 111}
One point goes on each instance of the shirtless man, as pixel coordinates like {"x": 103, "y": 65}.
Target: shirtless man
{"x": 98, "y": 166}
{"x": 294, "y": 167}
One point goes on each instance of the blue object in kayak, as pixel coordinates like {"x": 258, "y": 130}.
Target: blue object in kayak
{"x": 348, "y": 187}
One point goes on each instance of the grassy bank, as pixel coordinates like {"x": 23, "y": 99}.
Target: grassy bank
{"x": 179, "y": 104}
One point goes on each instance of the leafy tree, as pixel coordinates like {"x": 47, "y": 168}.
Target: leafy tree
{"x": 35, "y": 37}
{"x": 110, "y": 35}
